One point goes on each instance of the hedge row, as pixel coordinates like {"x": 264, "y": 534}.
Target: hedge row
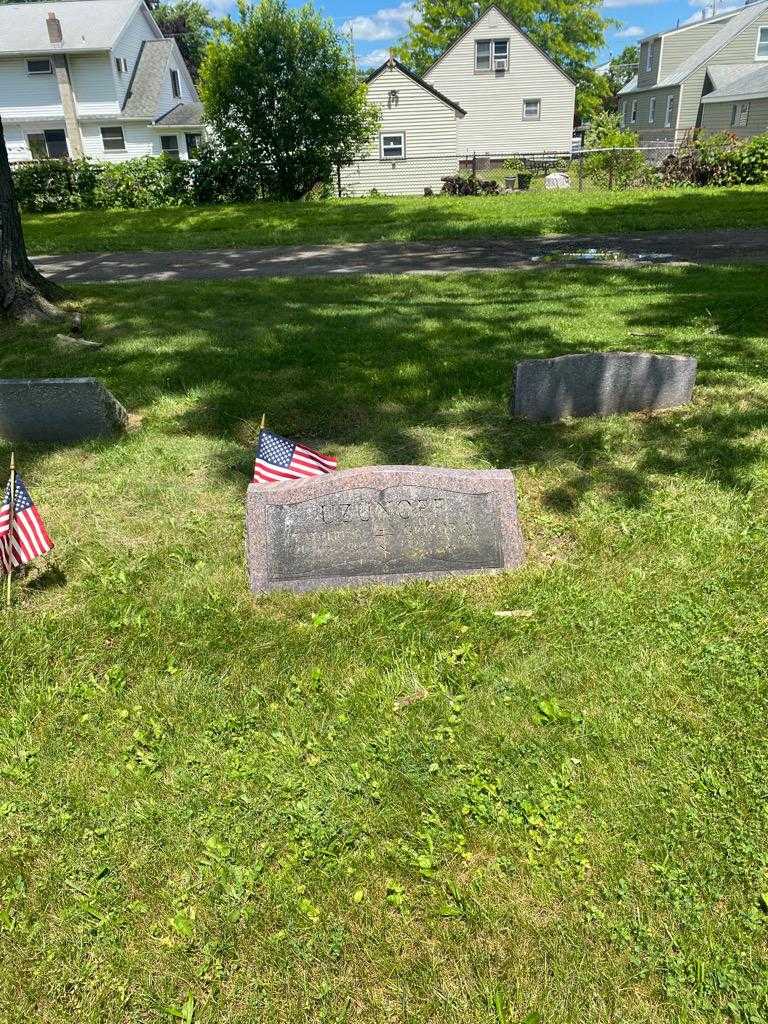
{"x": 721, "y": 159}
{"x": 147, "y": 182}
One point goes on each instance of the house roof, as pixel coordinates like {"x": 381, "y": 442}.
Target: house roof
{"x": 731, "y": 27}
{"x": 85, "y": 25}
{"x": 736, "y": 81}
{"x": 630, "y": 86}
{"x": 714, "y": 44}
{"x": 393, "y": 62}
{"x": 182, "y": 115}
{"x": 720, "y": 18}
{"x": 515, "y": 26}
{"x": 146, "y": 82}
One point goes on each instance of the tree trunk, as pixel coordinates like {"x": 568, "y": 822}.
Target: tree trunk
{"x": 24, "y": 293}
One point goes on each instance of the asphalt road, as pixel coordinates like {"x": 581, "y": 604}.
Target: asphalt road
{"x": 730, "y": 246}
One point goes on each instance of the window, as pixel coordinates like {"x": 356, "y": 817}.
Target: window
{"x": 739, "y": 115}
{"x": 170, "y": 146}
{"x": 652, "y": 110}
{"x": 531, "y": 110}
{"x": 648, "y": 56}
{"x": 122, "y": 65}
{"x": 762, "y": 43}
{"x": 113, "y": 140}
{"x": 634, "y": 111}
{"x": 668, "y": 112}
{"x": 393, "y": 146}
{"x": 175, "y": 83}
{"x": 51, "y": 143}
{"x": 39, "y": 67}
{"x": 488, "y": 51}
{"x": 193, "y": 143}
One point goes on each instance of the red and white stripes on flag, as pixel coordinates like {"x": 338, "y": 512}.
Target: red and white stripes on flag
{"x": 278, "y": 460}
{"x": 23, "y": 536}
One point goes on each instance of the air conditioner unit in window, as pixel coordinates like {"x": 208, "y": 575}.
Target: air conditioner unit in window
{"x": 500, "y": 64}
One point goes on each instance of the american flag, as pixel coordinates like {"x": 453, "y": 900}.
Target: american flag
{"x": 278, "y": 459}
{"x": 26, "y": 537}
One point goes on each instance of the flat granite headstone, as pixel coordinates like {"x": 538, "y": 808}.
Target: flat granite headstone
{"x": 381, "y": 524}
{"x": 601, "y": 384}
{"x": 58, "y": 410}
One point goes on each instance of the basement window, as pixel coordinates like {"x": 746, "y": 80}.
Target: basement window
{"x": 39, "y": 67}
{"x": 175, "y": 88}
{"x": 393, "y": 146}
{"x": 113, "y": 140}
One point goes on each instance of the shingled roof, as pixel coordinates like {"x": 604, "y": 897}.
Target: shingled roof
{"x": 182, "y": 116}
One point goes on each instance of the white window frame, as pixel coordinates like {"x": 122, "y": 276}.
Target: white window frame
{"x": 624, "y": 106}
{"x": 668, "y": 111}
{"x": 175, "y": 84}
{"x": 762, "y": 40}
{"x": 172, "y": 154}
{"x": 40, "y": 60}
{"x": 634, "y": 112}
{"x": 492, "y": 44}
{"x": 740, "y": 114}
{"x": 392, "y": 135}
{"x": 104, "y": 139}
{"x": 44, "y": 133}
{"x": 121, "y": 64}
{"x": 652, "y": 110}
{"x": 537, "y": 115}
{"x": 649, "y": 55}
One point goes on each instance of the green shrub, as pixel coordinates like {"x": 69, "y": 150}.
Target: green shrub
{"x": 43, "y": 185}
{"x": 748, "y": 163}
{"x": 222, "y": 176}
{"x": 719, "y": 159}
{"x": 144, "y": 183}
{"x": 623, "y": 165}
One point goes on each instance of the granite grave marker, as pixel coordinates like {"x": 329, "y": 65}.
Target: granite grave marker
{"x": 381, "y": 524}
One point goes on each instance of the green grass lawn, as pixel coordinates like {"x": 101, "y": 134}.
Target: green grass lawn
{"x": 394, "y": 805}
{"x": 390, "y": 219}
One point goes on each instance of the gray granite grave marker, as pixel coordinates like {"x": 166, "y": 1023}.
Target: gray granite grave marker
{"x": 601, "y": 384}
{"x": 58, "y": 410}
{"x": 381, "y": 524}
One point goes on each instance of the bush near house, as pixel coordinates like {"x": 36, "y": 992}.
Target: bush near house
{"x": 722, "y": 159}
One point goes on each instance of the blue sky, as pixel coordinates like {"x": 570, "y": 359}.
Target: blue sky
{"x": 376, "y": 26}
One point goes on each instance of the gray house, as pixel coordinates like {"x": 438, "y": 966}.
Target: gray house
{"x": 710, "y": 74}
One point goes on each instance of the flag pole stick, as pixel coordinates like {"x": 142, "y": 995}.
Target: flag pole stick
{"x": 10, "y": 532}
{"x": 263, "y": 421}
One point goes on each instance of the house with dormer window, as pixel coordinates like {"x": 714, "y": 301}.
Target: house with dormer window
{"x": 93, "y": 79}
{"x": 710, "y": 75}
{"x": 494, "y": 91}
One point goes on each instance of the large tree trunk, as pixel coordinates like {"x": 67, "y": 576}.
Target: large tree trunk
{"x": 24, "y": 293}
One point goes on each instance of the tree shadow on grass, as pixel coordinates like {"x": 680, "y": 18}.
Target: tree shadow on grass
{"x": 393, "y": 364}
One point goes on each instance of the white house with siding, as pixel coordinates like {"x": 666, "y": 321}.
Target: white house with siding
{"x": 94, "y": 79}
{"x": 710, "y": 75}
{"x": 493, "y": 91}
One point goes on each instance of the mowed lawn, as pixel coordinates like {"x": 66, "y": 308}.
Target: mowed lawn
{"x": 394, "y": 805}
{"x": 397, "y": 219}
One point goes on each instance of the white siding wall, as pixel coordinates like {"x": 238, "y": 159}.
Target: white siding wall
{"x": 22, "y": 94}
{"x": 430, "y": 140}
{"x": 139, "y": 141}
{"x": 128, "y": 45}
{"x": 93, "y": 84}
{"x": 494, "y": 101}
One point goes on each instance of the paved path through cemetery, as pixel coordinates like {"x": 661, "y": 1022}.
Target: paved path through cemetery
{"x": 411, "y": 257}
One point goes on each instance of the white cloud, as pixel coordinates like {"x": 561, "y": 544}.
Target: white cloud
{"x": 632, "y": 3}
{"x": 386, "y": 23}
{"x": 373, "y": 59}
{"x": 632, "y": 32}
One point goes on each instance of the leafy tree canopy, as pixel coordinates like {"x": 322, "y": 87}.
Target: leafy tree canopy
{"x": 570, "y": 31}
{"x": 281, "y": 92}
{"x": 191, "y": 24}
{"x": 622, "y": 68}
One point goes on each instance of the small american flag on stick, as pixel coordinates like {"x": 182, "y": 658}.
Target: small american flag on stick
{"x": 278, "y": 459}
{"x": 23, "y": 535}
